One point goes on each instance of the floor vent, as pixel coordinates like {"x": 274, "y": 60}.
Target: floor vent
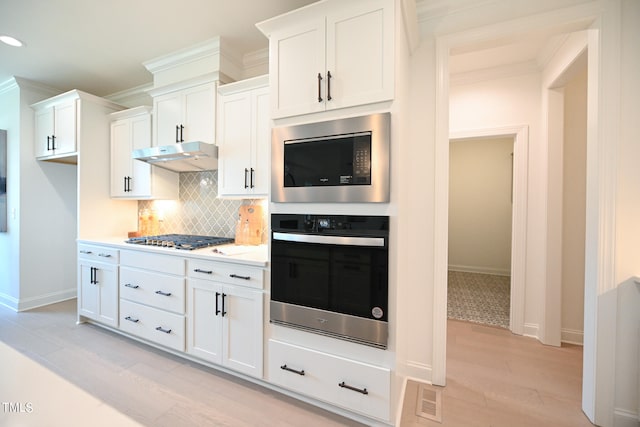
{"x": 429, "y": 404}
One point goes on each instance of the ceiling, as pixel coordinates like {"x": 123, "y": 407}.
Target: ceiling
{"x": 99, "y": 46}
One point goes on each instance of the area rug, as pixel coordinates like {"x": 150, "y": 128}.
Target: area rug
{"x": 479, "y": 298}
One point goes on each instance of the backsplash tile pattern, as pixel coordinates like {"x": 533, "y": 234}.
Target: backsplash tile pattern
{"x": 198, "y": 211}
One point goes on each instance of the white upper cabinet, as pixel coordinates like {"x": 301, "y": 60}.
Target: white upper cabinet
{"x": 244, "y": 135}
{"x": 134, "y": 179}
{"x": 331, "y": 55}
{"x": 185, "y": 115}
{"x": 55, "y": 129}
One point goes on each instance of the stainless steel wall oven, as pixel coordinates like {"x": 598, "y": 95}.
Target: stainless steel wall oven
{"x": 329, "y": 275}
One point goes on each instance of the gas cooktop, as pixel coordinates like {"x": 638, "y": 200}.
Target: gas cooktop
{"x": 180, "y": 241}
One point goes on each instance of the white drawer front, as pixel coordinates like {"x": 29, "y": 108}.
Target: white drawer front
{"x": 353, "y": 385}
{"x": 98, "y": 253}
{"x": 158, "y": 290}
{"x": 155, "y": 262}
{"x": 152, "y": 324}
{"x": 235, "y": 274}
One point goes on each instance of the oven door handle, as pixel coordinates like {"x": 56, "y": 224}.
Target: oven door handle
{"x": 330, "y": 240}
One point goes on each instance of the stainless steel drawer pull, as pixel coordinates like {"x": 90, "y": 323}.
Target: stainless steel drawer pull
{"x": 104, "y": 255}
{"x": 197, "y": 270}
{"x": 165, "y": 294}
{"x": 161, "y": 329}
{"x": 359, "y": 390}
{"x": 295, "y": 371}
{"x": 129, "y": 285}
{"x": 131, "y": 319}
{"x": 235, "y": 276}
{"x": 86, "y": 252}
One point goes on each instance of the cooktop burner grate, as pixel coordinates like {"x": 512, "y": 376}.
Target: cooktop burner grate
{"x": 180, "y": 241}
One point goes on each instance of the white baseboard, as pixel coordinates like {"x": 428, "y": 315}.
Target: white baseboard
{"x": 481, "y": 270}
{"x": 624, "y": 418}
{"x": 45, "y": 299}
{"x": 415, "y": 370}
{"x": 531, "y": 330}
{"x": 9, "y": 302}
{"x": 572, "y": 336}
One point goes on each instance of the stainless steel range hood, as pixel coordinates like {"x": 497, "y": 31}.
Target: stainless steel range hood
{"x": 193, "y": 156}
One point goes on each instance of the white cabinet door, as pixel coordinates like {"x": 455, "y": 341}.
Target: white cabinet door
{"x": 199, "y": 113}
{"x": 261, "y": 153}
{"x": 244, "y": 138}
{"x": 297, "y": 59}
{"x": 242, "y": 312}
{"x": 168, "y": 117}
{"x": 98, "y": 297}
{"x": 120, "y": 158}
{"x": 204, "y": 327}
{"x": 234, "y": 144}
{"x": 65, "y": 127}
{"x": 44, "y": 128}
{"x": 360, "y": 55}
{"x": 141, "y": 172}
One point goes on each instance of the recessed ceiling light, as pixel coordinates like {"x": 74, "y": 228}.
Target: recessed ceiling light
{"x": 11, "y": 41}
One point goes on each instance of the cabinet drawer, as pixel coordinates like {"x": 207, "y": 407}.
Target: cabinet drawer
{"x": 231, "y": 273}
{"x": 98, "y": 253}
{"x": 356, "y": 386}
{"x": 157, "y": 290}
{"x": 159, "y": 263}
{"x": 152, "y": 324}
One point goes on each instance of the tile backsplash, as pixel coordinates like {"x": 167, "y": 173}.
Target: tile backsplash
{"x": 198, "y": 211}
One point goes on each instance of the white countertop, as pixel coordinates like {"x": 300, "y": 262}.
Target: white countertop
{"x": 241, "y": 254}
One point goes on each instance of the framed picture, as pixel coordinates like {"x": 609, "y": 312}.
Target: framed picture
{"x": 3, "y": 180}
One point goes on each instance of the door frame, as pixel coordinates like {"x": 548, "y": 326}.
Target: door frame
{"x": 603, "y": 21}
{"x": 520, "y": 135}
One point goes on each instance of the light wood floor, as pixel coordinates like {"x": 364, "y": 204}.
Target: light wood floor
{"x": 150, "y": 386}
{"x": 498, "y": 379}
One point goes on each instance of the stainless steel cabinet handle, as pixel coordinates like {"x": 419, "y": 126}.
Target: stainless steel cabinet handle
{"x": 235, "y": 276}
{"x": 85, "y": 252}
{"x": 347, "y": 386}
{"x": 295, "y": 371}
{"x": 131, "y": 319}
{"x": 197, "y": 270}
{"x": 129, "y": 285}
{"x": 335, "y": 240}
{"x": 164, "y": 294}
{"x": 161, "y": 329}
{"x": 104, "y": 255}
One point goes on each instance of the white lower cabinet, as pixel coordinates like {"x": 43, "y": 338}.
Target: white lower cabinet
{"x": 356, "y": 386}
{"x": 225, "y": 321}
{"x": 152, "y": 297}
{"x": 98, "y": 284}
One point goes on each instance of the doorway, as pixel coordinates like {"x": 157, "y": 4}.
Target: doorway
{"x": 480, "y": 227}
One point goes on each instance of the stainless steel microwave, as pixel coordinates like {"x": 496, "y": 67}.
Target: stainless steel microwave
{"x": 344, "y": 160}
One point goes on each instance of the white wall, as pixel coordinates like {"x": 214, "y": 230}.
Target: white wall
{"x": 573, "y": 207}
{"x": 42, "y": 195}
{"x": 480, "y": 205}
{"x": 9, "y": 241}
{"x": 512, "y": 101}
{"x": 627, "y": 377}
